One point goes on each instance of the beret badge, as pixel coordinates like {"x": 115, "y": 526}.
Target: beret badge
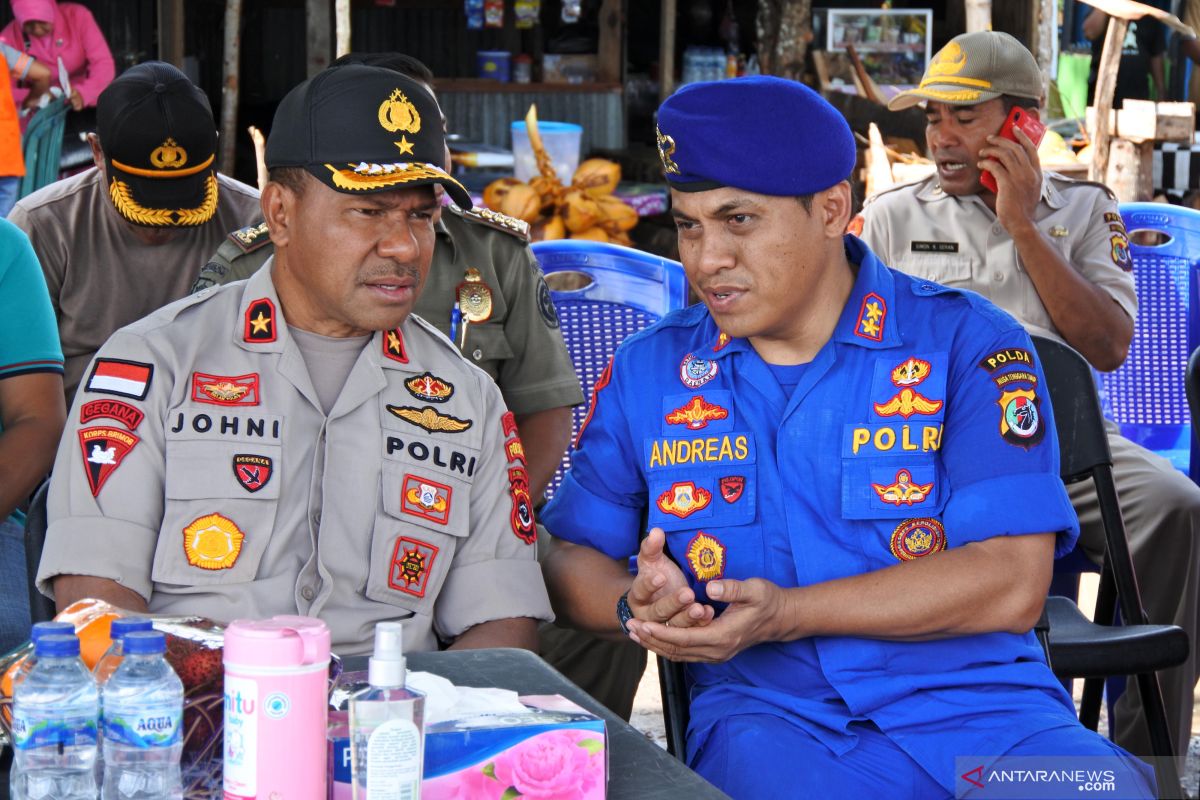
{"x": 666, "y": 149}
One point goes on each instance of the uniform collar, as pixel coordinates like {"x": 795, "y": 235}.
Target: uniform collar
{"x": 868, "y": 320}
{"x": 930, "y": 191}
{"x": 442, "y": 233}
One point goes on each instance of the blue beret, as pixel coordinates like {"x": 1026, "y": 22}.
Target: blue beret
{"x": 763, "y": 134}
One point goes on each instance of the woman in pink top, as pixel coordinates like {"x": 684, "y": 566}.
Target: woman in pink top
{"x": 48, "y": 30}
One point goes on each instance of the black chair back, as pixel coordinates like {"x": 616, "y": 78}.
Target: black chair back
{"x": 41, "y": 608}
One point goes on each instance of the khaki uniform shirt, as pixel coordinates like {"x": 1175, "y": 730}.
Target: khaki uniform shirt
{"x": 100, "y": 277}
{"x": 958, "y": 241}
{"x": 199, "y": 471}
{"x": 520, "y": 345}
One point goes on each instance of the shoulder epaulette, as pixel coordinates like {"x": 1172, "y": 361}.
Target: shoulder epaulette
{"x": 895, "y": 188}
{"x": 1080, "y": 182}
{"x": 494, "y": 219}
{"x": 251, "y": 237}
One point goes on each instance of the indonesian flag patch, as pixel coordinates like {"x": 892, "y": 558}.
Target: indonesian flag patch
{"x": 124, "y": 378}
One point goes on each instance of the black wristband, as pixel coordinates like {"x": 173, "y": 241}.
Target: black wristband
{"x": 624, "y": 612}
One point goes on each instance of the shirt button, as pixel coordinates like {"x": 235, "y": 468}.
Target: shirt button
{"x": 316, "y": 518}
{"x": 307, "y": 593}
{"x": 997, "y": 229}
{"x": 998, "y": 276}
{"x": 477, "y": 354}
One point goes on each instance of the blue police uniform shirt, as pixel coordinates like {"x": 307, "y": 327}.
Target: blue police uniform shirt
{"x": 922, "y": 424}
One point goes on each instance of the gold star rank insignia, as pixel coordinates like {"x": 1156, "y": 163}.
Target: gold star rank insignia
{"x": 871, "y": 315}
{"x": 406, "y": 147}
{"x": 260, "y": 321}
{"x": 393, "y": 346}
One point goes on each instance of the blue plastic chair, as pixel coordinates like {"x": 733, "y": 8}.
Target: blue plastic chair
{"x": 1146, "y": 397}
{"x": 42, "y": 146}
{"x": 629, "y": 290}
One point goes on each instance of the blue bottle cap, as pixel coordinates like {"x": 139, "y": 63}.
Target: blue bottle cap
{"x": 144, "y": 643}
{"x": 41, "y": 629}
{"x": 127, "y": 625}
{"x": 57, "y": 646}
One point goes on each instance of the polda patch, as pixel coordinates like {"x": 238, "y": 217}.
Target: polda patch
{"x": 1021, "y": 417}
{"x": 103, "y": 451}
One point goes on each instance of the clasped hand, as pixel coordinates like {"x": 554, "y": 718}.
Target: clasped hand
{"x": 669, "y": 621}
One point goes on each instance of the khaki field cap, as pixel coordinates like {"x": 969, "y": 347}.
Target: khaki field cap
{"x": 974, "y": 68}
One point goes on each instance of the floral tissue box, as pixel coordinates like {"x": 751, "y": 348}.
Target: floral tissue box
{"x": 553, "y": 751}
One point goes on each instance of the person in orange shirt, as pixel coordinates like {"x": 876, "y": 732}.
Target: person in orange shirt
{"x": 12, "y": 165}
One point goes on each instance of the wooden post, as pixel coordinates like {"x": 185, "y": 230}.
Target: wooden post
{"x": 1130, "y": 170}
{"x": 609, "y": 52}
{"x": 170, "y": 32}
{"x": 666, "y": 50}
{"x": 342, "y": 26}
{"x": 316, "y": 15}
{"x": 1106, "y": 86}
{"x": 229, "y": 86}
{"x": 979, "y": 15}
{"x": 784, "y": 30}
{"x": 1047, "y": 31}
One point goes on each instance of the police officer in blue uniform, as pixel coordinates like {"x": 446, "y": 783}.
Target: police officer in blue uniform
{"x": 851, "y": 477}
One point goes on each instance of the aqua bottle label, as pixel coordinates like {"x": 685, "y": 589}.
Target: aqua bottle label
{"x": 158, "y": 725}
{"x": 30, "y": 731}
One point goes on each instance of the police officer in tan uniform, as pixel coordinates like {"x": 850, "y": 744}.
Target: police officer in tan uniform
{"x": 300, "y": 443}
{"x": 1053, "y": 253}
{"x": 483, "y": 256}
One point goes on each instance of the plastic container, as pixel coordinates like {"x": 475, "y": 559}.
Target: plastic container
{"x": 387, "y": 725}
{"x": 561, "y": 140}
{"x": 143, "y": 723}
{"x": 55, "y": 710}
{"x": 276, "y": 702}
{"x": 39, "y": 630}
{"x": 522, "y": 69}
{"x": 111, "y": 659}
{"x": 494, "y": 64}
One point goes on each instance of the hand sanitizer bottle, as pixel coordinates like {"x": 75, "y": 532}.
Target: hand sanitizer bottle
{"x": 387, "y": 726}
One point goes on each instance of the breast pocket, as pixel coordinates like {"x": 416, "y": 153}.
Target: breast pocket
{"x": 423, "y": 514}
{"x": 892, "y": 487}
{"x": 219, "y": 511}
{"x": 487, "y": 343}
{"x": 948, "y": 269}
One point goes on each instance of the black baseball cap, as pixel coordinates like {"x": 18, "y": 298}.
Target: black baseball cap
{"x": 363, "y": 129}
{"x": 159, "y": 140}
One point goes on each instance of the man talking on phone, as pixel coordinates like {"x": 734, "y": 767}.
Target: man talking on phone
{"x": 1052, "y": 252}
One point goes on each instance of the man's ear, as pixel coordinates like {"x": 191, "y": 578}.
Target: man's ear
{"x": 834, "y": 205}
{"x": 97, "y": 154}
{"x": 278, "y": 206}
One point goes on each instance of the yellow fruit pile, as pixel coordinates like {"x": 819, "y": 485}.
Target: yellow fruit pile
{"x": 587, "y": 209}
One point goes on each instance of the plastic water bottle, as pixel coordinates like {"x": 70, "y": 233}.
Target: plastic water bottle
{"x": 112, "y": 657}
{"x": 54, "y": 726}
{"x": 40, "y": 629}
{"x": 143, "y": 723}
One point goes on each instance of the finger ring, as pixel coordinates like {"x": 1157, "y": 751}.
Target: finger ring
{"x": 667, "y": 623}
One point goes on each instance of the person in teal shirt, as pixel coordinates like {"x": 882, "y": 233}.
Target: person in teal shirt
{"x": 32, "y": 414}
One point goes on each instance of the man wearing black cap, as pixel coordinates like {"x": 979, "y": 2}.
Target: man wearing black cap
{"x": 123, "y": 239}
{"x": 822, "y": 450}
{"x": 1053, "y": 252}
{"x": 298, "y": 443}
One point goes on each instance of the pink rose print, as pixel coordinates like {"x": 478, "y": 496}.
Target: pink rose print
{"x": 556, "y": 765}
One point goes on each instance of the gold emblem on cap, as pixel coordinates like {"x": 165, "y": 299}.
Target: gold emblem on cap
{"x": 948, "y": 61}
{"x": 397, "y": 113}
{"x": 666, "y": 149}
{"x": 475, "y": 297}
{"x": 168, "y": 155}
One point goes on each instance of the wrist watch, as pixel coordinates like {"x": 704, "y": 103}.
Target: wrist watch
{"x": 624, "y": 612}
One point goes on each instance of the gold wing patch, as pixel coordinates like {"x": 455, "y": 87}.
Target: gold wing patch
{"x": 430, "y": 419}
{"x": 906, "y": 404}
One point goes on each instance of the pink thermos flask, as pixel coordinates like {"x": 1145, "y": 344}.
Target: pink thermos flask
{"x": 276, "y": 702}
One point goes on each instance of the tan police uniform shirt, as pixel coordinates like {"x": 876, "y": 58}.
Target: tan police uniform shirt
{"x": 519, "y": 345}
{"x": 198, "y": 470}
{"x": 100, "y": 277}
{"x": 959, "y": 242}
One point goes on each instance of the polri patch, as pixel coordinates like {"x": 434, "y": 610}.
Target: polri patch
{"x": 103, "y": 451}
{"x": 695, "y": 372}
{"x": 430, "y": 388}
{"x": 259, "y": 327}
{"x": 706, "y": 557}
{"x": 119, "y": 377}
{"x": 412, "y": 563}
{"x": 902, "y": 490}
{"x": 871, "y": 316}
{"x": 523, "y": 524}
{"x": 684, "y": 499}
{"x": 430, "y": 419}
{"x": 731, "y": 487}
{"x": 124, "y": 413}
{"x": 1021, "y": 417}
{"x": 934, "y": 247}
{"x": 212, "y": 542}
{"x": 224, "y": 390}
{"x": 253, "y": 472}
{"x": 696, "y": 414}
{"x": 393, "y": 346}
{"x": 916, "y": 538}
{"x": 425, "y": 498}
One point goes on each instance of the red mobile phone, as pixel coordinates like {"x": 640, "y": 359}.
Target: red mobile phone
{"x": 1017, "y": 118}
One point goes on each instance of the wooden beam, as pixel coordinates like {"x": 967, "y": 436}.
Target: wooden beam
{"x": 1106, "y": 86}
{"x": 229, "y": 86}
{"x": 979, "y": 15}
{"x": 610, "y": 58}
{"x": 666, "y": 50}
{"x": 318, "y": 44}
{"x": 170, "y": 32}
